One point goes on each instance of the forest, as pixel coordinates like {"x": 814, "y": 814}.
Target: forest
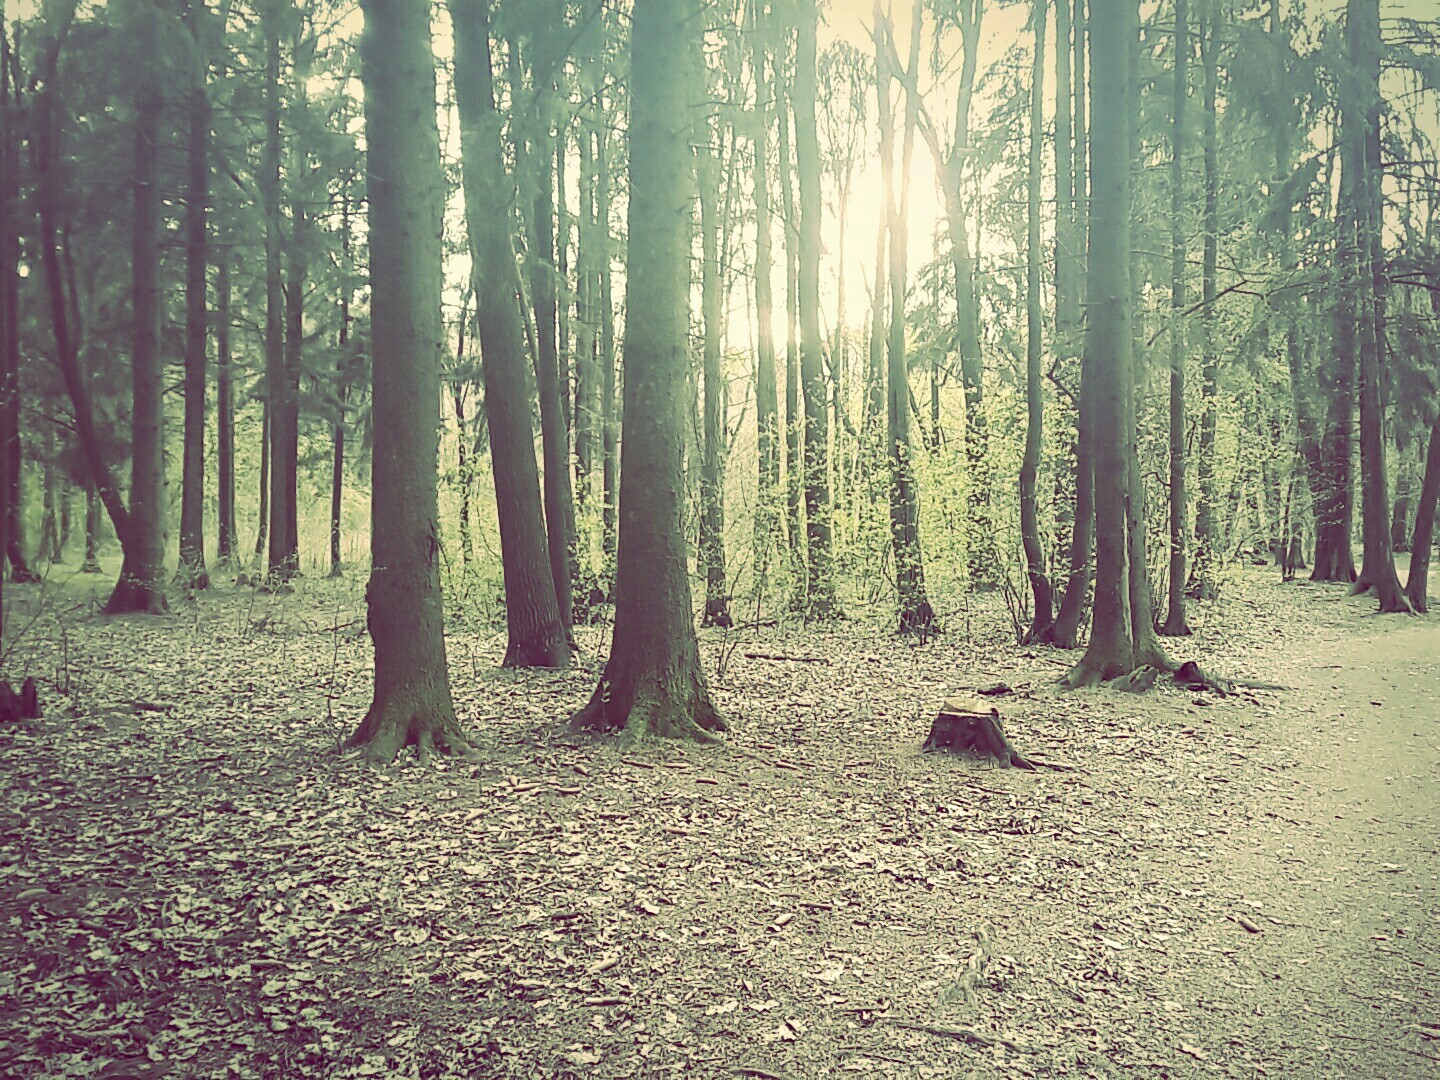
{"x": 756, "y": 538}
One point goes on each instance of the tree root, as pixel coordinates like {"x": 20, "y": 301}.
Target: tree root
{"x": 391, "y": 726}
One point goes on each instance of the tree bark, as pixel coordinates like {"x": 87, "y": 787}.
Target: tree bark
{"x": 820, "y": 581}
{"x": 226, "y": 542}
{"x": 140, "y": 586}
{"x": 1423, "y": 541}
{"x": 1043, "y": 602}
{"x": 712, "y": 471}
{"x": 1202, "y": 584}
{"x": 767, "y": 406}
{"x": 1176, "y": 624}
{"x": 412, "y": 703}
{"x": 915, "y": 613}
{"x": 192, "y": 573}
{"x": 1110, "y": 651}
{"x": 537, "y": 636}
{"x": 794, "y": 424}
{"x": 1360, "y": 137}
{"x": 653, "y": 683}
{"x": 281, "y": 566}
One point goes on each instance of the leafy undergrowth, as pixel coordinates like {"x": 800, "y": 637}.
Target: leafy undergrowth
{"x": 197, "y": 882}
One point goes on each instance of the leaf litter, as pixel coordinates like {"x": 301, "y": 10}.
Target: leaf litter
{"x": 196, "y": 881}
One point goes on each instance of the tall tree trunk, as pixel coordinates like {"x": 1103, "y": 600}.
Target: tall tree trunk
{"x": 916, "y": 615}
{"x": 767, "y": 406}
{"x": 192, "y": 572}
{"x": 712, "y": 471}
{"x": 140, "y": 586}
{"x": 546, "y": 151}
{"x": 1066, "y": 633}
{"x": 820, "y": 584}
{"x": 1203, "y": 584}
{"x": 1110, "y": 651}
{"x": 262, "y": 531}
{"x": 344, "y": 364}
{"x": 1040, "y": 591}
{"x": 537, "y": 636}
{"x": 794, "y": 425}
{"x": 1175, "y": 621}
{"x": 1423, "y": 540}
{"x": 653, "y": 683}
{"x": 281, "y": 567}
{"x": 412, "y": 704}
{"x": 609, "y": 422}
{"x": 1360, "y": 139}
{"x": 49, "y": 507}
{"x": 226, "y": 542}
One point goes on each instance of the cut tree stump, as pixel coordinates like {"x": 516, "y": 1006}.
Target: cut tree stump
{"x": 971, "y": 728}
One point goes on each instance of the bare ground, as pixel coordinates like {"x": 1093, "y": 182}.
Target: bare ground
{"x": 194, "y": 882}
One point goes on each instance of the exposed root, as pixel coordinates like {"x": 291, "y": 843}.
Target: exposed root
{"x": 390, "y": 727}
{"x": 694, "y": 720}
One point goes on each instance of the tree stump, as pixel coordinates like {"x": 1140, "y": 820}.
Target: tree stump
{"x": 971, "y": 729}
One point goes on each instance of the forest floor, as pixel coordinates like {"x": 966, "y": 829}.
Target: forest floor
{"x": 195, "y": 881}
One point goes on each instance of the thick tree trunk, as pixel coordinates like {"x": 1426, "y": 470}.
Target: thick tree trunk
{"x": 281, "y": 566}
{"x": 1043, "y": 602}
{"x": 1110, "y": 651}
{"x": 412, "y": 704}
{"x": 537, "y": 636}
{"x": 653, "y": 682}
{"x": 1175, "y": 624}
{"x": 820, "y": 582}
{"x": 226, "y": 541}
{"x": 140, "y": 586}
{"x": 1360, "y": 129}
{"x": 192, "y": 573}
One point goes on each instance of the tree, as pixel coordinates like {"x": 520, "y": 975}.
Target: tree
{"x": 537, "y": 636}
{"x": 820, "y": 579}
{"x": 712, "y": 471}
{"x": 412, "y": 704}
{"x": 140, "y": 586}
{"x": 226, "y": 547}
{"x": 1034, "y": 332}
{"x": 916, "y": 615}
{"x": 1206, "y": 530}
{"x": 1176, "y": 624}
{"x": 1110, "y": 651}
{"x": 192, "y": 572}
{"x": 1361, "y": 285}
{"x": 653, "y": 683}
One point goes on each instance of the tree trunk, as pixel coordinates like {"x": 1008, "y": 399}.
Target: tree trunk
{"x": 1203, "y": 584}
{"x": 609, "y": 427}
{"x": 412, "y": 704}
{"x": 767, "y": 406}
{"x": 653, "y": 683}
{"x": 1360, "y": 141}
{"x": 1040, "y": 592}
{"x": 820, "y": 582}
{"x": 262, "y": 531}
{"x": 537, "y": 636}
{"x": 192, "y": 573}
{"x": 281, "y": 566}
{"x": 140, "y": 586}
{"x": 558, "y": 496}
{"x": 794, "y": 425}
{"x": 916, "y": 615}
{"x": 1176, "y": 624}
{"x": 93, "y": 510}
{"x": 1416, "y": 585}
{"x": 1110, "y": 651}
{"x": 712, "y": 471}
{"x": 226, "y": 542}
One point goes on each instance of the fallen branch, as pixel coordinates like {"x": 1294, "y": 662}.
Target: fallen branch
{"x": 964, "y": 1034}
{"x": 791, "y": 659}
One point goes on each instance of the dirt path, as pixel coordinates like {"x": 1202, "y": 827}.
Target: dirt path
{"x": 1338, "y": 872}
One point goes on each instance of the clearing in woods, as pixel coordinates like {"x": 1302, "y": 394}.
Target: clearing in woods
{"x": 194, "y": 880}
